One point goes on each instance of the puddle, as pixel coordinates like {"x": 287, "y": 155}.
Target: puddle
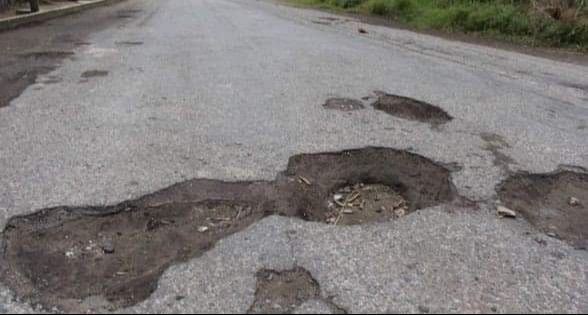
{"x": 411, "y": 109}
{"x": 94, "y": 74}
{"x": 343, "y": 104}
{"x": 283, "y": 292}
{"x": 557, "y": 204}
{"x": 65, "y": 257}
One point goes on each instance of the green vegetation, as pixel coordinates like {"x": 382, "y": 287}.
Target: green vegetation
{"x": 557, "y": 23}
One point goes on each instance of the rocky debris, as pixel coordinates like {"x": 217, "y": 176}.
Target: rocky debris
{"x": 505, "y": 212}
{"x": 361, "y": 202}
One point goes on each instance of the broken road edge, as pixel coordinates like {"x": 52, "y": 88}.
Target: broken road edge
{"x": 38, "y": 17}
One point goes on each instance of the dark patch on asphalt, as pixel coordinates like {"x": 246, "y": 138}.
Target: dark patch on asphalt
{"x": 343, "y": 104}
{"x": 321, "y": 22}
{"x": 494, "y": 144}
{"x": 411, "y": 109}
{"x": 65, "y": 254}
{"x": 556, "y": 203}
{"x": 94, "y": 74}
{"x": 283, "y": 292}
{"x": 129, "y": 43}
{"x": 47, "y": 55}
{"x": 581, "y": 87}
{"x": 329, "y": 18}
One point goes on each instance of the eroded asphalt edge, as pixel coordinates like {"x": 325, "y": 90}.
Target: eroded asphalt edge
{"x": 338, "y": 253}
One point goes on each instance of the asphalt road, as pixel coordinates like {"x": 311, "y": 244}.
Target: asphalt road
{"x": 144, "y": 94}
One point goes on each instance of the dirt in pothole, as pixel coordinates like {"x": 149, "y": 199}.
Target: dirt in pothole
{"x": 411, "y": 109}
{"x": 384, "y": 180}
{"x": 556, "y": 204}
{"x": 66, "y": 257}
{"x": 283, "y": 292}
{"x": 343, "y": 104}
{"x": 366, "y": 203}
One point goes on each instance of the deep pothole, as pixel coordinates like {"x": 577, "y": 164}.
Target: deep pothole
{"x": 411, "y": 109}
{"x": 343, "y": 104}
{"x": 556, "y": 204}
{"x": 362, "y": 186}
{"x": 62, "y": 257}
{"x": 283, "y": 292}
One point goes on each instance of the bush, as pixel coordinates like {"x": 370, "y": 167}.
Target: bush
{"x": 525, "y": 20}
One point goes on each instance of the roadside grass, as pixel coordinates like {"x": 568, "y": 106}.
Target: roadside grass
{"x": 553, "y": 23}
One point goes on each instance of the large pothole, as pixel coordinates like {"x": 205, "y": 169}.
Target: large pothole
{"x": 63, "y": 257}
{"x": 556, "y": 204}
{"x": 411, "y": 109}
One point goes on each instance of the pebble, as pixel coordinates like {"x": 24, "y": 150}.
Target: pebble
{"x": 108, "y": 246}
{"x": 203, "y": 229}
{"x": 574, "y": 202}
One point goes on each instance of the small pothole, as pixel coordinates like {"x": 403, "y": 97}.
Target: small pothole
{"x": 343, "y": 104}
{"x": 283, "y": 292}
{"x": 556, "y": 204}
{"x": 411, "y": 109}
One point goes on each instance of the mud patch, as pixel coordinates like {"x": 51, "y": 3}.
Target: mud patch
{"x": 283, "y": 292}
{"x": 94, "y": 74}
{"x": 66, "y": 257}
{"x": 556, "y": 204}
{"x": 494, "y": 144}
{"x": 411, "y": 109}
{"x": 343, "y": 104}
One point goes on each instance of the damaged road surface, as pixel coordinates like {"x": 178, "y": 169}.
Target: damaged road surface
{"x": 58, "y": 257}
{"x": 234, "y": 156}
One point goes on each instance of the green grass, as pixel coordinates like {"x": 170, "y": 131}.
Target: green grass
{"x": 526, "y": 21}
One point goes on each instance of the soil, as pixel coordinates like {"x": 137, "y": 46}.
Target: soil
{"x": 411, "y": 109}
{"x": 283, "y": 292}
{"x": 65, "y": 257}
{"x": 343, "y": 104}
{"x": 556, "y": 204}
{"x": 366, "y": 203}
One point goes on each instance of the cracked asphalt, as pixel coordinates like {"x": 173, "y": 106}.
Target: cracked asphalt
{"x": 230, "y": 89}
